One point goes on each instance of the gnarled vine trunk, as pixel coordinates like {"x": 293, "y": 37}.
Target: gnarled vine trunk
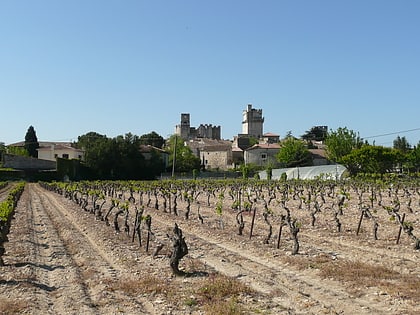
{"x": 180, "y": 249}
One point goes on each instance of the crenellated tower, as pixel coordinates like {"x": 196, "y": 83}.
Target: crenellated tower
{"x": 252, "y": 122}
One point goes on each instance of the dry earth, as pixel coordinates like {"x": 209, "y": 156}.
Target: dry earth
{"x": 60, "y": 260}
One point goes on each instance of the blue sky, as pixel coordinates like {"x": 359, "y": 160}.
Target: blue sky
{"x": 113, "y": 67}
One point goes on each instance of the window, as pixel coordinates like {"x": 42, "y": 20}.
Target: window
{"x": 65, "y": 156}
{"x": 263, "y": 156}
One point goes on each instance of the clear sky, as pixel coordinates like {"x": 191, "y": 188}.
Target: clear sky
{"x": 113, "y": 67}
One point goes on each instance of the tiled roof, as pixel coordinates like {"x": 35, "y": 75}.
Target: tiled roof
{"x": 320, "y": 153}
{"x": 216, "y": 148}
{"x": 149, "y": 148}
{"x": 274, "y": 146}
{"x": 58, "y": 146}
{"x": 41, "y": 144}
{"x": 205, "y": 144}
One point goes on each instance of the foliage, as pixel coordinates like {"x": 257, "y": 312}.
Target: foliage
{"x": 154, "y": 165}
{"x": 98, "y": 153}
{"x": 293, "y": 152}
{"x": 316, "y": 133}
{"x": 31, "y": 142}
{"x": 8, "y": 205}
{"x": 17, "y": 151}
{"x": 249, "y": 170}
{"x": 152, "y": 139}
{"x": 73, "y": 169}
{"x": 11, "y": 174}
{"x": 341, "y": 142}
{"x": 269, "y": 172}
{"x": 128, "y": 160}
{"x": 118, "y": 158}
{"x": 401, "y": 144}
{"x": 2, "y": 149}
{"x": 185, "y": 160}
{"x": 371, "y": 159}
{"x": 413, "y": 158}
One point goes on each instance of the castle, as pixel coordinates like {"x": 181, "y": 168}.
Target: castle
{"x": 252, "y": 126}
{"x": 186, "y": 132}
{"x": 252, "y": 122}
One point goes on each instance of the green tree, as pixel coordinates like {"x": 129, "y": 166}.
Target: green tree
{"x": 289, "y": 135}
{"x": 185, "y": 160}
{"x": 99, "y": 154}
{"x": 316, "y": 133}
{"x": 128, "y": 162}
{"x": 293, "y": 152}
{"x": 2, "y": 150}
{"x": 119, "y": 157}
{"x": 153, "y": 139}
{"x": 15, "y": 150}
{"x": 31, "y": 142}
{"x": 341, "y": 142}
{"x": 413, "y": 158}
{"x": 401, "y": 144}
{"x": 371, "y": 159}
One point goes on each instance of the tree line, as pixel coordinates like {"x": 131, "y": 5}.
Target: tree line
{"x": 135, "y": 157}
{"x": 345, "y": 146}
{"x": 147, "y": 156}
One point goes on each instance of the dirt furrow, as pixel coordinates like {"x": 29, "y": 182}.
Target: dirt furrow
{"x": 97, "y": 269}
{"x": 63, "y": 287}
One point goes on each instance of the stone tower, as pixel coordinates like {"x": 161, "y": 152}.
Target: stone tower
{"x": 252, "y": 122}
{"x": 183, "y": 129}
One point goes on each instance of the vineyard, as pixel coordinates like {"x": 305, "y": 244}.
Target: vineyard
{"x": 214, "y": 247}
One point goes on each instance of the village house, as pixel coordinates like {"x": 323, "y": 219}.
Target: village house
{"x": 150, "y": 152}
{"x": 52, "y": 150}
{"x": 270, "y": 138}
{"x": 262, "y": 154}
{"x": 319, "y": 157}
{"x": 213, "y": 154}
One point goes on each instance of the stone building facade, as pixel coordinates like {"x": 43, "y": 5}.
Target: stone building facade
{"x": 186, "y": 132}
{"x": 51, "y": 151}
{"x": 252, "y": 122}
{"x": 262, "y": 154}
{"x": 217, "y": 157}
{"x": 213, "y": 154}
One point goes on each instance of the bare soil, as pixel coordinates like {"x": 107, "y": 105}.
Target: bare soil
{"x": 60, "y": 260}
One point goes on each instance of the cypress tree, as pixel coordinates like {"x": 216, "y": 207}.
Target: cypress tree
{"x": 31, "y": 142}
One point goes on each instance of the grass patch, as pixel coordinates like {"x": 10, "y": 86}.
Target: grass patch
{"x": 219, "y": 287}
{"x": 145, "y": 285}
{"x": 357, "y": 275}
{"x": 228, "y": 307}
{"x": 219, "y": 294}
{"x": 351, "y": 271}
